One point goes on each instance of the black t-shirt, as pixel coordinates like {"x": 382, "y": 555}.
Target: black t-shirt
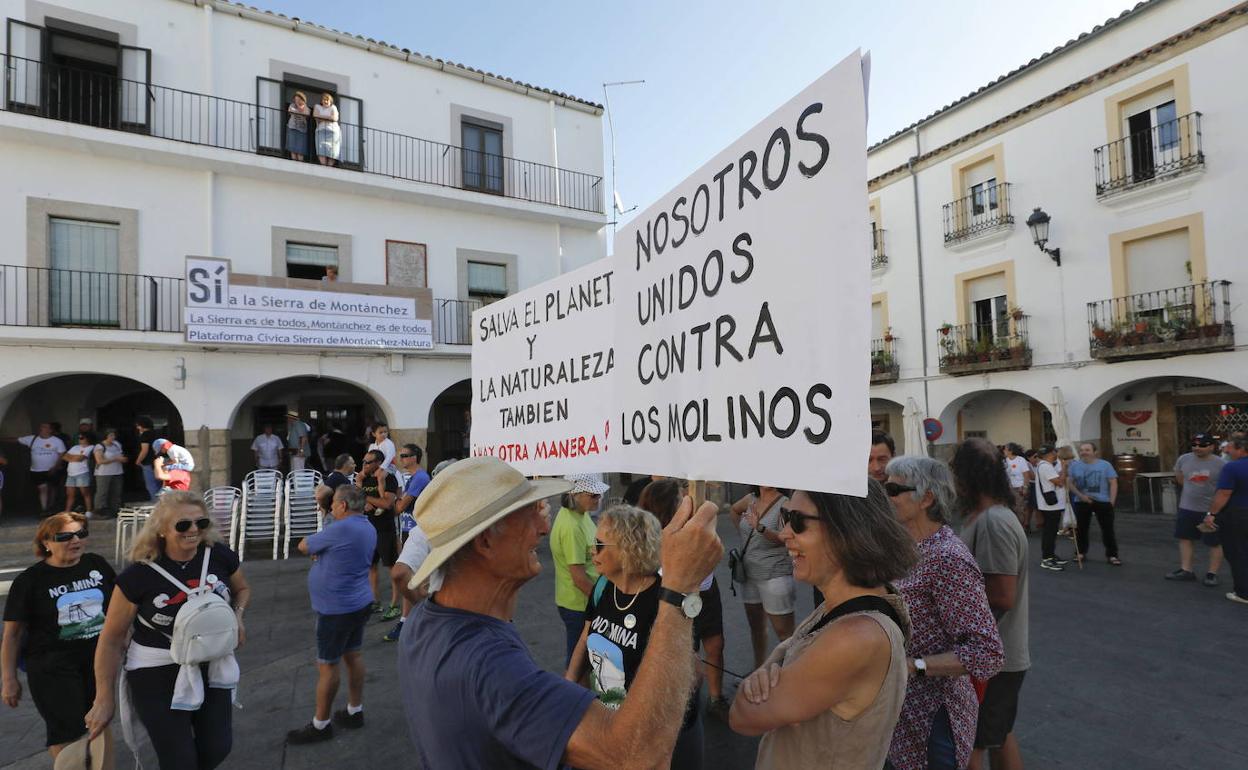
{"x": 381, "y": 518}
{"x": 159, "y": 601}
{"x": 147, "y": 437}
{"x": 62, "y": 607}
{"x": 335, "y": 480}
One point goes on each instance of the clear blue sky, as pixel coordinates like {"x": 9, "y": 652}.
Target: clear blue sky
{"x": 713, "y": 69}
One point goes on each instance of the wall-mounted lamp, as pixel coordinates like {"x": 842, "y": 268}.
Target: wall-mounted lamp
{"x": 1039, "y": 224}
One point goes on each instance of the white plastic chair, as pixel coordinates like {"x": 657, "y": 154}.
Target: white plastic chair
{"x": 130, "y": 519}
{"x": 223, "y": 506}
{"x": 301, "y": 514}
{"x": 261, "y": 512}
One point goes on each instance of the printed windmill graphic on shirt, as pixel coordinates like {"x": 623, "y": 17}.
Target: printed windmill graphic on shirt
{"x": 606, "y": 676}
{"x": 80, "y": 614}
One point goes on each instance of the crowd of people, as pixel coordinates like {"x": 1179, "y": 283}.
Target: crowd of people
{"x": 914, "y": 656}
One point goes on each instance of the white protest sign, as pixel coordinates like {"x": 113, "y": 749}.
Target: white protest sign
{"x": 221, "y": 311}
{"x": 541, "y": 362}
{"x": 742, "y": 319}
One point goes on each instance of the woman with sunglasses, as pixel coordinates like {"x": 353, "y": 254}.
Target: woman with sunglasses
{"x": 769, "y": 592}
{"x": 829, "y": 696}
{"x": 178, "y": 536}
{"x": 954, "y": 632}
{"x": 58, "y": 603}
{"x": 622, "y": 608}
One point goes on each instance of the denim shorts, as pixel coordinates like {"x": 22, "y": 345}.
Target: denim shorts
{"x": 340, "y": 634}
{"x": 78, "y": 480}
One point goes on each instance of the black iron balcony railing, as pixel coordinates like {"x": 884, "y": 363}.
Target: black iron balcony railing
{"x": 452, "y": 320}
{"x": 46, "y": 297}
{"x": 78, "y": 96}
{"x": 884, "y": 360}
{"x": 1156, "y": 324}
{"x": 987, "y": 208}
{"x": 1166, "y": 150}
{"x": 985, "y": 347}
{"x": 879, "y": 258}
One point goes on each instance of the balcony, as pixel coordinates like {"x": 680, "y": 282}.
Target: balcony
{"x": 983, "y": 212}
{"x": 1166, "y": 151}
{"x": 452, "y": 320}
{"x": 884, "y": 367}
{"x": 977, "y": 348}
{"x": 89, "y": 98}
{"x": 879, "y": 259}
{"x": 1159, "y": 324}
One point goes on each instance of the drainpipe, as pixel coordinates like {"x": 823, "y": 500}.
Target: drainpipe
{"x": 918, "y": 248}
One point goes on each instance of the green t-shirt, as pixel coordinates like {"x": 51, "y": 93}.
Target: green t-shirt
{"x": 571, "y": 541}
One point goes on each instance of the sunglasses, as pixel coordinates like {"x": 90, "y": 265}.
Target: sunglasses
{"x": 795, "y": 520}
{"x": 1202, "y": 443}
{"x": 599, "y": 545}
{"x": 200, "y": 524}
{"x": 893, "y": 489}
{"x": 65, "y": 537}
{"x": 406, "y": 456}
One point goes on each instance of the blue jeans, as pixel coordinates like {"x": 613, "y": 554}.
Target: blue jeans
{"x": 942, "y": 752}
{"x": 150, "y": 482}
{"x": 573, "y": 623}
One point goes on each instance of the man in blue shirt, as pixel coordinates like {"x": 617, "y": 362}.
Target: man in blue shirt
{"x": 342, "y": 554}
{"x": 417, "y": 479}
{"x": 1230, "y": 512}
{"x": 1093, "y": 485}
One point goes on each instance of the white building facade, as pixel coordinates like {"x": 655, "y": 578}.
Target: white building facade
{"x": 1129, "y": 140}
{"x": 138, "y": 132}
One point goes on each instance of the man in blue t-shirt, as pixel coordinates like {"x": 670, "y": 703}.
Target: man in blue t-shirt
{"x": 342, "y": 554}
{"x": 1093, "y": 485}
{"x": 473, "y": 696}
{"x": 417, "y": 479}
{"x": 1230, "y": 512}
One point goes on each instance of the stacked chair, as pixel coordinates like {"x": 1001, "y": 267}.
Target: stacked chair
{"x": 224, "y": 504}
{"x": 301, "y": 515}
{"x": 260, "y": 517}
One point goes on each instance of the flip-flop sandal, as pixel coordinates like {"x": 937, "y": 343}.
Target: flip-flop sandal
{"x": 1115, "y": 561}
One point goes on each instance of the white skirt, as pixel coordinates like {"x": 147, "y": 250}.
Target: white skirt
{"x": 328, "y": 140}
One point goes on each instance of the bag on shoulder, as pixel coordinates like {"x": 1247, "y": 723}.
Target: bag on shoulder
{"x": 736, "y": 566}
{"x": 206, "y": 628}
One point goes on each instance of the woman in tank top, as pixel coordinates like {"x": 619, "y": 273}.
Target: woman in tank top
{"x": 830, "y": 695}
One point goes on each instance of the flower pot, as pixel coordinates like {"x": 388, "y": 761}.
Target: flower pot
{"x": 1141, "y": 326}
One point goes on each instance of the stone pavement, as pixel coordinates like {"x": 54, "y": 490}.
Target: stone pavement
{"x": 1129, "y": 671}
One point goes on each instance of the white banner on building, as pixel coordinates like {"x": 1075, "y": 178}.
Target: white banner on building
{"x": 541, "y": 367}
{"x": 220, "y": 311}
{"x": 743, "y": 318}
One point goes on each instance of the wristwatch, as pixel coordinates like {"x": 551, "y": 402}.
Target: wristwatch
{"x": 920, "y": 667}
{"x": 690, "y": 604}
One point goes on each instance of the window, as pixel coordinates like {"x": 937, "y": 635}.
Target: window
{"x": 83, "y": 279}
{"x": 305, "y": 260}
{"x": 989, "y": 307}
{"x": 984, "y": 196}
{"x": 1156, "y": 269}
{"x": 486, "y": 282}
{"x": 483, "y": 155}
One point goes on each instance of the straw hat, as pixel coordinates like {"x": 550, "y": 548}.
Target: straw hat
{"x": 466, "y": 498}
{"x": 74, "y": 756}
{"x": 292, "y": 413}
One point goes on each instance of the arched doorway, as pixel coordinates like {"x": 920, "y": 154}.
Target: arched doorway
{"x": 103, "y": 400}
{"x": 1001, "y": 416}
{"x": 339, "y": 410}
{"x": 450, "y": 421}
{"x": 889, "y": 417}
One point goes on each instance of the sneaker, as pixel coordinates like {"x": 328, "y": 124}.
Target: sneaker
{"x": 718, "y": 708}
{"x": 1210, "y": 580}
{"x": 393, "y": 634}
{"x": 1236, "y": 598}
{"x": 374, "y": 607}
{"x": 1059, "y": 562}
{"x": 344, "y": 718}
{"x": 1051, "y": 564}
{"x": 88, "y": 514}
{"x": 309, "y": 734}
{"x": 1185, "y": 575}
{"x": 392, "y": 612}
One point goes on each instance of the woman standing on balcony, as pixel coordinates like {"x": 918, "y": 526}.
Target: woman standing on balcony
{"x": 328, "y": 135}
{"x": 297, "y": 126}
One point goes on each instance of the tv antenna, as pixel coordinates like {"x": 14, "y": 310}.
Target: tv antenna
{"x": 616, "y": 200}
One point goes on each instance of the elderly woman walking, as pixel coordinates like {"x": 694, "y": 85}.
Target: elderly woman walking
{"x": 953, "y": 631}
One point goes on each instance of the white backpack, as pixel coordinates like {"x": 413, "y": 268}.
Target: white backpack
{"x": 206, "y": 628}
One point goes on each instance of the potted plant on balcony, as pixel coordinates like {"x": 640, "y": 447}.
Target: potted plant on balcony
{"x": 1016, "y": 313}
{"x": 888, "y": 334}
{"x": 1211, "y": 330}
{"x": 1099, "y": 333}
{"x": 944, "y": 329}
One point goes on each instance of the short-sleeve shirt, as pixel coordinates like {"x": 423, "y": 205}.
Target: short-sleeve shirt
{"x": 1093, "y": 478}
{"x": 388, "y": 452}
{"x": 1200, "y": 476}
{"x": 44, "y": 452}
{"x": 269, "y": 447}
{"x": 148, "y": 437}
{"x": 1234, "y": 476}
{"x": 475, "y": 699}
{"x": 1016, "y": 468}
{"x": 571, "y": 539}
{"x": 298, "y": 120}
{"x": 338, "y": 580}
{"x": 380, "y": 517}
{"x": 159, "y": 600}
{"x": 83, "y": 466}
{"x": 294, "y": 432}
{"x": 336, "y": 479}
{"x": 62, "y": 607}
{"x": 180, "y": 455}
{"x": 111, "y": 452}
{"x": 764, "y": 559}
{"x": 416, "y": 484}
{"x": 999, "y": 545}
{"x": 1046, "y": 472}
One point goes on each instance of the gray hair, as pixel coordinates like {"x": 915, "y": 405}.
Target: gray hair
{"x": 927, "y": 475}
{"x": 352, "y": 496}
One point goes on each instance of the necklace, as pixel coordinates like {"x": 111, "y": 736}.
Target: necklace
{"x": 615, "y": 597}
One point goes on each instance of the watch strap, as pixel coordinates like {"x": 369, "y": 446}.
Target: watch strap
{"x": 674, "y": 598}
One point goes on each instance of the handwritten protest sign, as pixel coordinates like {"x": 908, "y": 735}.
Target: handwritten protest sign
{"x": 541, "y": 367}
{"x": 742, "y": 319}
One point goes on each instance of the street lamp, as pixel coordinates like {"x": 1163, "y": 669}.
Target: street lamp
{"x": 1039, "y": 224}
